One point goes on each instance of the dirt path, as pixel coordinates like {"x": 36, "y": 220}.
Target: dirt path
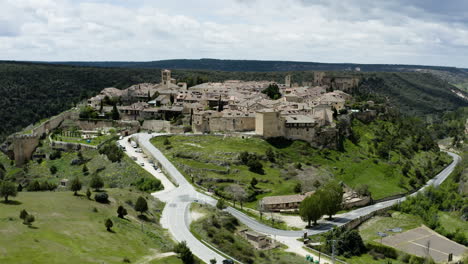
{"x": 155, "y": 255}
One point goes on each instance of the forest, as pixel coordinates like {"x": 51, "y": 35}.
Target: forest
{"x": 34, "y": 91}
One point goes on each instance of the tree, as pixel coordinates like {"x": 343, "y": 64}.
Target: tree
{"x": 75, "y": 185}
{"x": 184, "y": 252}
{"x": 311, "y": 209}
{"x": 85, "y": 170}
{"x": 332, "y": 196}
{"x": 96, "y": 182}
{"x": 253, "y": 182}
{"x": 298, "y": 188}
{"x": 238, "y": 193}
{"x": 166, "y": 141}
{"x": 115, "y": 113}
{"x": 53, "y": 169}
{"x": 213, "y": 261}
{"x": 255, "y": 166}
{"x": 7, "y": 189}
{"x": 220, "y": 204}
{"x": 108, "y": 224}
{"x": 121, "y": 212}
{"x": 272, "y": 91}
{"x": 88, "y": 193}
{"x": 141, "y": 205}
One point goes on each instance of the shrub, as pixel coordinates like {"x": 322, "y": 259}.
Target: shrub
{"x": 101, "y": 197}
{"x": 255, "y": 166}
{"x": 220, "y": 204}
{"x": 148, "y": 184}
{"x": 388, "y": 252}
{"x": 121, "y": 212}
{"x": 56, "y": 154}
{"x": 53, "y": 169}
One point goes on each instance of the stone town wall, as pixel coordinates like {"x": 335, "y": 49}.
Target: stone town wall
{"x": 157, "y": 125}
{"x": 24, "y": 145}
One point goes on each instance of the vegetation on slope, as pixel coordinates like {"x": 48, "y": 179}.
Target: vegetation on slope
{"x": 70, "y": 229}
{"x": 31, "y": 92}
{"x": 85, "y": 164}
{"x": 222, "y": 230}
{"x": 390, "y": 156}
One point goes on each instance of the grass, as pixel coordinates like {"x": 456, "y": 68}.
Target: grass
{"x": 451, "y": 222}
{"x": 115, "y": 175}
{"x": 168, "y": 260}
{"x": 369, "y": 229}
{"x": 220, "y": 229}
{"x": 70, "y": 229}
{"x": 93, "y": 142}
{"x": 213, "y": 162}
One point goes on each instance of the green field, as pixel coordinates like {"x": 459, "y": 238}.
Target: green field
{"x": 452, "y": 222}
{"x": 220, "y": 229}
{"x": 213, "y": 162}
{"x": 70, "y": 229}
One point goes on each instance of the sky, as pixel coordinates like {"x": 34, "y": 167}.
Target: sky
{"x": 427, "y": 32}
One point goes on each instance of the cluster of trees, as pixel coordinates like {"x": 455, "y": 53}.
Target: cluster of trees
{"x": 112, "y": 151}
{"x": 36, "y": 186}
{"x": 445, "y": 198}
{"x": 325, "y": 201}
{"x": 272, "y": 91}
{"x": 148, "y": 184}
{"x": 348, "y": 243}
{"x": 252, "y": 161}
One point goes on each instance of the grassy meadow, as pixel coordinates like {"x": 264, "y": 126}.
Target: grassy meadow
{"x": 70, "y": 229}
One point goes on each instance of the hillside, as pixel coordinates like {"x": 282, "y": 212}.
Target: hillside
{"x": 32, "y": 92}
{"x": 259, "y": 66}
{"x": 70, "y": 229}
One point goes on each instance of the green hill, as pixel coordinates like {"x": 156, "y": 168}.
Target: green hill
{"x": 70, "y": 229}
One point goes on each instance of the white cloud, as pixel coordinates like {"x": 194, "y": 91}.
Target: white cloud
{"x": 327, "y": 31}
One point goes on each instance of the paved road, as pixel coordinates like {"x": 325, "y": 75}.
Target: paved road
{"x": 175, "y": 215}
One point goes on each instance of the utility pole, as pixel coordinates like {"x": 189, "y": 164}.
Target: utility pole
{"x": 428, "y": 250}
{"x": 333, "y": 251}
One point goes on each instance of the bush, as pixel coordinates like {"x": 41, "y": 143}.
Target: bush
{"x": 388, "y": 252}
{"x": 53, "y": 169}
{"x": 141, "y": 205}
{"x": 112, "y": 151}
{"x": 220, "y": 204}
{"x": 56, "y": 154}
{"x": 148, "y": 184}
{"x": 255, "y": 166}
{"x": 101, "y": 197}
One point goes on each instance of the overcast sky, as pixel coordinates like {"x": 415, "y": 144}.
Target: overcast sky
{"x": 430, "y": 32}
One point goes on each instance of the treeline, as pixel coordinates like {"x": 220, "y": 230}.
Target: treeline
{"x": 31, "y": 91}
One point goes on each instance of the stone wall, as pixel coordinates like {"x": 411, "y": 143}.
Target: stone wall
{"x": 157, "y": 125}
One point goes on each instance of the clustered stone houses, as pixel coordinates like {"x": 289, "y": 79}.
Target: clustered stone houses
{"x": 237, "y": 106}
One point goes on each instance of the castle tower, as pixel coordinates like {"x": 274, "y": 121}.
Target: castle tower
{"x": 165, "y": 77}
{"x": 287, "y": 80}
{"x": 268, "y": 124}
{"x": 318, "y": 78}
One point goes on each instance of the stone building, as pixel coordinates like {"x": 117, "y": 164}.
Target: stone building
{"x": 283, "y": 202}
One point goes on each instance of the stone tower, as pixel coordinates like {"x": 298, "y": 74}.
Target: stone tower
{"x": 287, "y": 80}
{"x": 268, "y": 124}
{"x": 318, "y": 78}
{"x": 165, "y": 77}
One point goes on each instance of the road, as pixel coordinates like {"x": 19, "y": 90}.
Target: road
{"x": 175, "y": 216}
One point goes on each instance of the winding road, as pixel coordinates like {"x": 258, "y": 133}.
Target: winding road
{"x": 175, "y": 216}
